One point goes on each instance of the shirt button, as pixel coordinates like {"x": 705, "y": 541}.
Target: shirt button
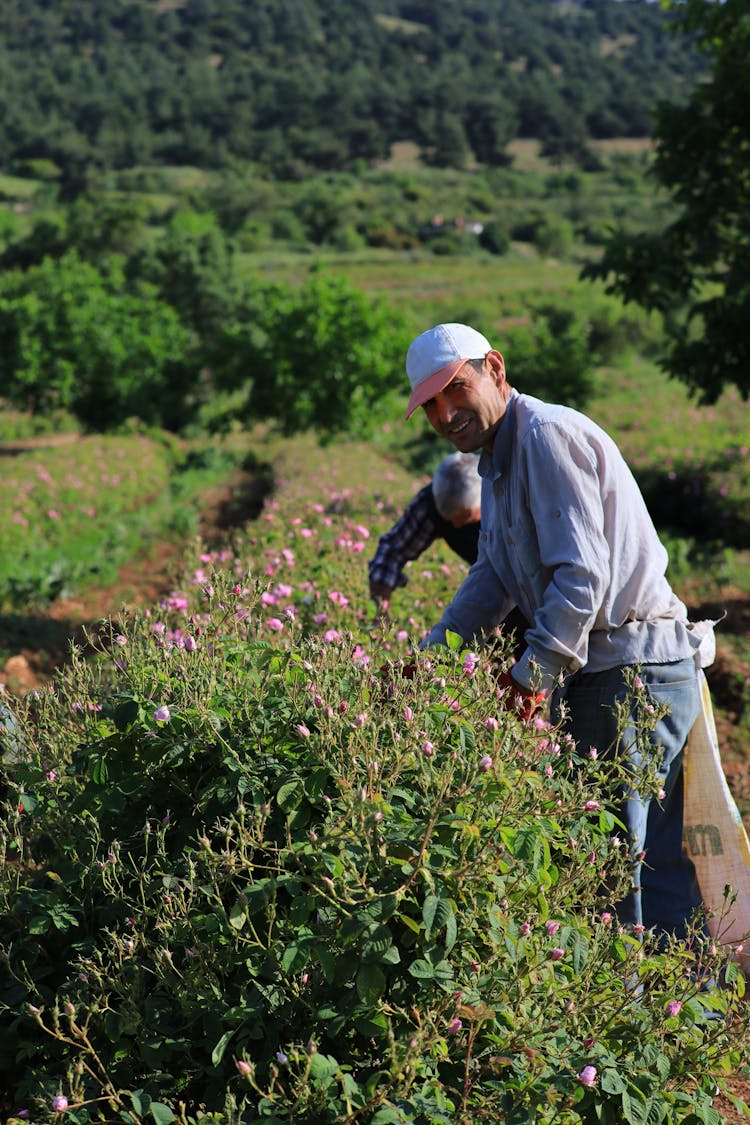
{"x": 484, "y": 535}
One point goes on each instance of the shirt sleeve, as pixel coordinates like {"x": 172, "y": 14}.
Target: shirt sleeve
{"x": 565, "y": 498}
{"x": 408, "y": 538}
{"x": 480, "y": 604}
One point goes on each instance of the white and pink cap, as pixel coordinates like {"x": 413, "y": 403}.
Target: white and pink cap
{"x": 435, "y": 357}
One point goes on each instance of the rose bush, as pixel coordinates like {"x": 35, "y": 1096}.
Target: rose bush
{"x": 237, "y": 887}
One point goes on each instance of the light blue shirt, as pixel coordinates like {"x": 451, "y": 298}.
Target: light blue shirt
{"x": 566, "y": 537}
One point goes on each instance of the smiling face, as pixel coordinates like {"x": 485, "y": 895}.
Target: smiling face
{"x": 470, "y": 408}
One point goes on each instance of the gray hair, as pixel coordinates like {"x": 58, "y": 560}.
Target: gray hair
{"x": 456, "y": 485}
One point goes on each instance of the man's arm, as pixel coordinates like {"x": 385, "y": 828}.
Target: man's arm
{"x": 480, "y": 604}
{"x": 408, "y": 538}
{"x": 563, "y": 476}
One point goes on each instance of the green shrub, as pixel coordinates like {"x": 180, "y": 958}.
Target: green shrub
{"x": 616, "y": 330}
{"x": 553, "y": 358}
{"x": 321, "y": 356}
{"x": 254, "y": 877}
{"x": 495, "y": 237}
{"x": 554, "y": 237}
{"x": 72, "y": 515}
{"x": 78, "y": 339}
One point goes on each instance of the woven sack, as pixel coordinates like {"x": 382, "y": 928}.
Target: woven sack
{"x": 714, "y": 836}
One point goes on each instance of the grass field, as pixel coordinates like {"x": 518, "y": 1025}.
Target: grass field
{"x": 429, "y": 289}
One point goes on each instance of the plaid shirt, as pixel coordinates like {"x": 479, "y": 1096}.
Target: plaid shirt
{"x": 419, "y": 526}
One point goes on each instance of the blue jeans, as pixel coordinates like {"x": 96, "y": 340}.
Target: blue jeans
{"x": 665, "y": 890}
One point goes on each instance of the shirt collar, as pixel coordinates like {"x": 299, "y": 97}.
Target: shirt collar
{"x": 494, "y": 464}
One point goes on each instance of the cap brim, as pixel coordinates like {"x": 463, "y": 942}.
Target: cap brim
{"x": 433, "y": 384}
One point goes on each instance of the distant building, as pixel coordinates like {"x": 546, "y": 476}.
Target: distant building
{"x": 438, "y": 224}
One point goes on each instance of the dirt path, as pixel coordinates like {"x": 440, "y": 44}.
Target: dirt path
{"x": 42, "y": 638}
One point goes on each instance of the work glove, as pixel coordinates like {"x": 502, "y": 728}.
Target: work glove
{"x": 513, "y": 697}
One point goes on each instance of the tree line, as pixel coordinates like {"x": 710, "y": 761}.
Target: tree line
{"x": 293, "y": 85}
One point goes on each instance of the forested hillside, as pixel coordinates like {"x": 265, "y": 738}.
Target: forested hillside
{"x": 300, "y": 84}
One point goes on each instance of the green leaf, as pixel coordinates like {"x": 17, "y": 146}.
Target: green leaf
{"x": 452, "y": 640}
{"x": 316, "y": 782}
{"x": 387, "y": 1116}
{"x": 258, "y": 895}
{"x": 612, "y": 1082}
{"x": 663, "y": 1067}
{"x": 294, "y": 958}
{"x": 140, "y": 1101}
{"x": 409, "y": 922}
{"x": 98, "y": 771}
{"x": 161, "y": 1113}
{"x": 290, "y": 795}
{"x": 466, "y": 740}
{"x": 451, "y": 932}
{"x": 299, "y": 818}
{"x": 372, "y": 1025}
{"x": 327, "y": 962}
{"x": 323, "y": 1066}
{"x": 376, "y": 944}
{"x": 579, "y": 948}
{"x": 390, "y": 956}
{"x": 731, "y": 972}
{"x": 444, "y": 973}
{"x": 406, "y": 796}
{"x": 435, "y": 913}
{"x": 636, "y": 1108}
{"x": 218, "y": 1052}
{"x": 422, "y": 969}
{"x": 527, "y": 847}
{"x": 126, "y": 714}
{"x": 370, "y": 983}
{"x": 238, "y": 914}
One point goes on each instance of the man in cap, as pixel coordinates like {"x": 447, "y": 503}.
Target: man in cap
{"x": 566, "y": 537}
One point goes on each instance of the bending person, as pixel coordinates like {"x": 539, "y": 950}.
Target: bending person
{"x": 447, "y": 508}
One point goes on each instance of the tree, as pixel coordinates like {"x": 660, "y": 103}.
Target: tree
{"x": 490, "y": 126}
{"x": 450, "y": 145}
{"x": 194, "y": 270}
{"x": 554, "y": 357}
{"x": 321, "y": 357}
{"x": 76, "y": 337}
{"x": 696, "y": 271}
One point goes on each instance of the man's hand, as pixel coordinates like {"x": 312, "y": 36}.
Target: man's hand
{"x": 392, "y": 669}
{"x": 513, "y": 697}
{"x": 381, "y": 595}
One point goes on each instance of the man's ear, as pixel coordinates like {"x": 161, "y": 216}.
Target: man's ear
{"x": 496, "y": 364}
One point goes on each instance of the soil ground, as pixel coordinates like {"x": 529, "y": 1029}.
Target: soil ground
{"x": 43, "y": 642}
